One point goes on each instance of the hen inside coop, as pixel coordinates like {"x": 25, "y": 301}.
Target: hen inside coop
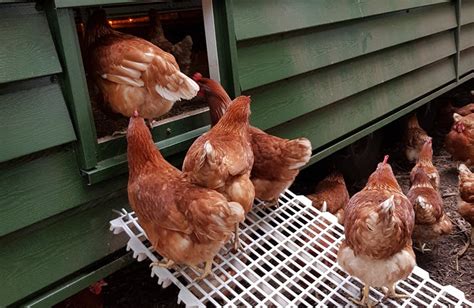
{"x": 142, "y": 58}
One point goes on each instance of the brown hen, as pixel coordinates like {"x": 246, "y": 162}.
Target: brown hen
{"x": 333, "y": 191}
{"x": 186, "y": 224}
{"x": 466, "y": 192}
{"x": 460, "y": 140}
{"x": 181, "y": 50}
{"x": 277, "y": 160}
{"x": 430, "y": 220}
{"x": 222, "y": 158}
{"x": 425, "y": 162}
{"x": 132, "y": 73}
{"x": 415, "y": 137}
{"x": 378, "y": 225}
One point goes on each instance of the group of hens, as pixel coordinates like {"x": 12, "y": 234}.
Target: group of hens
{"x": 190, "y": 214}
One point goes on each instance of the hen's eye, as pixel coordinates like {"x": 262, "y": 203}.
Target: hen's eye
{"x": 369, "y": 228}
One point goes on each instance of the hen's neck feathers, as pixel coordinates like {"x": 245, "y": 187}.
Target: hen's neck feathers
{"x": 217, "y": 98}
{"x": 383, "y": 180}
{"x": 141, "y": 150}
{"x": 236, "y": 118}
{"x": 97, "y": 31}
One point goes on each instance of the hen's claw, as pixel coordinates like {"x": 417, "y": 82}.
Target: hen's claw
{"x": 165, "y": 263}
{"x": 391, "y": 293}
{"x": 422, "y": 248}
{"x": 207, "y": 271}
{"x": 271, "y": 204}
{"x": 365, "y": 301}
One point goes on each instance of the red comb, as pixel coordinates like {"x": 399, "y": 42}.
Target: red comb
{"x": 135, "y": 114}
{"x": 385, "y": 159}
{"x": 197, "y": 76}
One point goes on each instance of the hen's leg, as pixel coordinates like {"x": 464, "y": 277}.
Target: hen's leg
{"x": 365, "y": 301}
{"x": 391, "y": 293}
{"x": 237, "y": 245}
{"x": 207, "y": 270}
{"x": 165, "y": 263}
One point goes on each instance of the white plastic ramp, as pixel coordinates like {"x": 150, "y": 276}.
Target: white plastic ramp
{"x": 289, "y": 259}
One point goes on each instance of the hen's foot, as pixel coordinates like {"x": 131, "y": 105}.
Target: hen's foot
{"x": 207, "y": 271}
{"x": 422, "y": 248}
{"x": 271, "y": 204}
{"x": 365, "y": 301}
{"x": 391, "y": 293}
{"x": 165, "y": 263}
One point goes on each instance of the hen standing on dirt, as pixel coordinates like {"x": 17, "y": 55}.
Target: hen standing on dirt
{"x": 378, "y": 224}
{"x": 430, "y": 220}
{"x": 132, "y": 73}
{"x": 466, "y": 193}
{"x": 425, "y": 162}
{"x": 185, "y": 224}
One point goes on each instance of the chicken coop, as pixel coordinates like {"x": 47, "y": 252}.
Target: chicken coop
{"x": 331, "y": 71}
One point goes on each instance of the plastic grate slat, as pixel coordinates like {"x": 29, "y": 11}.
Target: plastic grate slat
{"x": 290, "y": 259}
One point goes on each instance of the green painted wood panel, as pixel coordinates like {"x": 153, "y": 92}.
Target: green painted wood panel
{"x": 467, "y": 61}
{"x": 45, "y": 253}
{"x": 327, "y": 124}
{"x": 275, "y": 58}
{"x": 260, "y": 18}
{"x": 282, "y": 101}
{"x": 33, "y": 120}
{"x": 467, "y": 36}
{"x": 26, "y": 46}
{"x": 74, "y": 83}
{"x": 45, "y": 187}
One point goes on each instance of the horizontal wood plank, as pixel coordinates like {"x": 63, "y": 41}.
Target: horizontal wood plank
{"x": 44, "y": 187}
{"x": 334, "y": 121}
{"x": 38, "y": 256}
{"x": 467, "y": 12}
{"x": 467, "y": 61}
{"x": 260, "y": 18}
{"x": 467, "y": 36}
{"x": 26, "y": 46}
{"x": 32, "y": 120}
{"x": 288, "y": 99}
{"x": 276, "y": 58}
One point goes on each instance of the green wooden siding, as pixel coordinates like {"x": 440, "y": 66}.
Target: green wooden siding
{"x": 260, "y": 18}
{"x": 324, "y": 70}
{"x": 54, "y": 185}
{"x": 48, "y": 252}
{"x": 40, "y": 109}
{"x": 26, "y": 46}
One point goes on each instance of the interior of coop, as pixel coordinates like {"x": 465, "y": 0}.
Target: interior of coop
{"x": 133, "y": 286}
{"x": 139, "y": 21}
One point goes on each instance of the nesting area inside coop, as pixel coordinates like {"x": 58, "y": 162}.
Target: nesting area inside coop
{"x": 178, "y": 20}
{"x": 289, "y": 258}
